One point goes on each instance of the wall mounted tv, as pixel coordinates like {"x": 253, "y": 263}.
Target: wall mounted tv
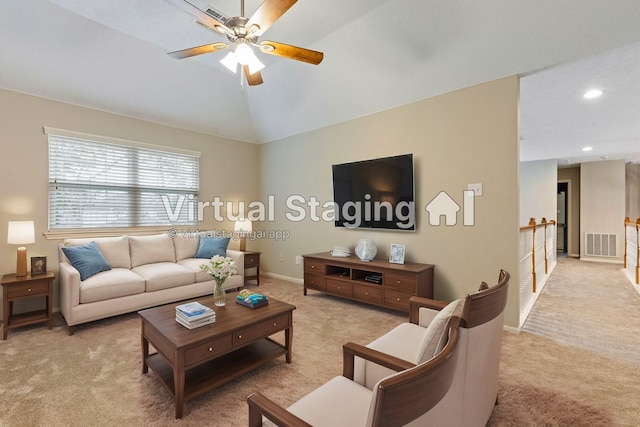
{"x": 376, "y": 193}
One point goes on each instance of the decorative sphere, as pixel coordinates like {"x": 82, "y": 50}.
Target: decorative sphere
{"x": 366, "y": 249}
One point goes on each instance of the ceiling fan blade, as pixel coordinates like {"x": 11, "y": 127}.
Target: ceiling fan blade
{"x": 268, "y": 13}
{"x": 202, "y": 17}
{"x": 198, "y": 50}
{"x": 292, "y": 52}
{"x": 253, "y": 79}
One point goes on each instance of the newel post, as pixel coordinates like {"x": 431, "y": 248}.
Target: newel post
{"x": 532, "y": 222}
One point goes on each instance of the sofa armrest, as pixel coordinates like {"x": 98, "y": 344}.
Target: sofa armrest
{"x": 260, "y": 406}
{"x": 69, "y": 289}
{"x": 350, "y": 350}
{"x": 423, "y": 310}
{"x": 238, "y": 258}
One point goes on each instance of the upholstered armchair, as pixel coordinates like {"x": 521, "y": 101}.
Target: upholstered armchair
{"x": 473, "y": 393}
{"x": 410, "y": 391}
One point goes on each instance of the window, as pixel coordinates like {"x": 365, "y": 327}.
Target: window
{"x": 97, "y": 182}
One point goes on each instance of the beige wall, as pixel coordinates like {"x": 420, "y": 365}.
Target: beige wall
{"x": 463, "y": 137}
{"x": 572, "y": 176}
{"x": 228, "y": 169}
{"x": 602, "y": 202}
{"x": 538, "y": 185}
{"x": 632, "y": 180}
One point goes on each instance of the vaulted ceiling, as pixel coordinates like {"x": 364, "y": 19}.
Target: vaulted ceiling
{"x": 379, "y": 54}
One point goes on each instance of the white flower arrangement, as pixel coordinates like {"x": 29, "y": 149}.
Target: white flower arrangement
{"x": 220, "y": 268}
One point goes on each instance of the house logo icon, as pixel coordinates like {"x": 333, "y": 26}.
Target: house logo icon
{"x": 444, "y": 205}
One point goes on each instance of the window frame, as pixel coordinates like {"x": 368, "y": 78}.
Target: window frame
{"x": 64, "y": 232}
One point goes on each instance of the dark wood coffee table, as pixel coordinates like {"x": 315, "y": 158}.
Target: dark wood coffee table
{"x": 192, "y": 362}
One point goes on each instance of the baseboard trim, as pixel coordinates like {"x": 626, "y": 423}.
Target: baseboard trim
{"x": 283, "y": 277}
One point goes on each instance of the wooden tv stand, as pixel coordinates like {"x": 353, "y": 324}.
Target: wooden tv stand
{"x": 345, "y": 277}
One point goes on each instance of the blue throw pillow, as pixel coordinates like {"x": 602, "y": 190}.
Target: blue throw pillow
{"x": 87, "y": 259}
{"x": 210, "y": 246}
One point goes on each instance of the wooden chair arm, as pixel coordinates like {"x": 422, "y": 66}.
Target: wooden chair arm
{"x": 350, "y": 350}
{"x": 415, "y": 303}
{"x": 260, "y": 405}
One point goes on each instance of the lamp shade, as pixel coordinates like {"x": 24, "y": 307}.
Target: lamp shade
{"x": 21, "y": 233}
{"x": 243, "y": 225}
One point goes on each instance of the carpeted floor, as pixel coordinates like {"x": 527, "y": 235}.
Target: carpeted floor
{"x": 94, "y": 377}
{"x": 591, "y": 306}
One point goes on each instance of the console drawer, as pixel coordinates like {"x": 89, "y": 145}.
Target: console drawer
{"x": 400, "y": 281}
{"x": 315, "y": 266}
{"x": 367, "y": 293}
{"x": 260, "y": 330}
{"x": 207, "y": 350}
{"x": 339, "y": 288}
{"x": 397, "y": 299}
{"x": 315, "y": 281}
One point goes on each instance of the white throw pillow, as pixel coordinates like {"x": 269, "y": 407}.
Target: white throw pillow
{"x": 434, "y": 337}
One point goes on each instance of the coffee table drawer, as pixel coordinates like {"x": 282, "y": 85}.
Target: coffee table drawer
{"x": 208, "y": 350}
{"x": 260, "y": 330}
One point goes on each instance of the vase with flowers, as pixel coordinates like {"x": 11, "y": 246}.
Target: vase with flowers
{"x": 220, "y": 268}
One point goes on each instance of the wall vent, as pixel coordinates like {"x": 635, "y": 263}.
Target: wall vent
{"x": 599, "y": 244}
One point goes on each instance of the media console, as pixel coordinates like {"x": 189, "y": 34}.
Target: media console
{"x": 377, "y": 282}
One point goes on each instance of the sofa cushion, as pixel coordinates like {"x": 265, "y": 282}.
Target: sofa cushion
{"x": 186, "y": 245}
{"x": 210, "y": 246}
{"x": 118, "y": 282}
{"x": 344, "y": 402}
{"x": 87, "y": 259}
{"x": 193, "y": 264}
{"x": 151, "y": 249}
{"x": 435, "y": 336}
{"x": 114, "y": 249}
{"x": 163, "y": 275}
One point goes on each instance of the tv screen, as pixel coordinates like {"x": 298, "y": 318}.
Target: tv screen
{"x": 376, "y": 193}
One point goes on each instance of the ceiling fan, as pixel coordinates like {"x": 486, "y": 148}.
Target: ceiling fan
{"x": 242, "y": 34}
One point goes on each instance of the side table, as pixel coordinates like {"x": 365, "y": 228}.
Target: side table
{"x": 252, "y": 260}
{"x": 24, "y": 287}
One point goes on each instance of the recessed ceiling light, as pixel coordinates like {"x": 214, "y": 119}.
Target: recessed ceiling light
{"x": 587, "y": 148}
{"x": 593, "y": 93}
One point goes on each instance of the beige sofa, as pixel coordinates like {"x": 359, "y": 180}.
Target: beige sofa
{"x": 145, "y": 271}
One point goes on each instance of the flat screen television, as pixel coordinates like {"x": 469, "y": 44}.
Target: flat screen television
{"x": 375, "y": 193}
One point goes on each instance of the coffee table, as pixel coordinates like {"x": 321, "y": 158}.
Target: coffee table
{"x": 191, "y": 362}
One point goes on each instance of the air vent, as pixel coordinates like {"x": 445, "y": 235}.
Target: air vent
{"x": 599, "y": 244}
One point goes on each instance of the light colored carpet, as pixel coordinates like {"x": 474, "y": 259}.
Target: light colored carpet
{"x": 591, "y": 306}
{"x": 94, "y": 377}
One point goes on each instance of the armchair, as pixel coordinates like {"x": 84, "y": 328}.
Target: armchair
{"x": 408, "y": 393}
{"x": 473, "y": 393}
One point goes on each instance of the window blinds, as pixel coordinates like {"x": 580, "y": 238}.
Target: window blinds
{"x": 94, "y": 184}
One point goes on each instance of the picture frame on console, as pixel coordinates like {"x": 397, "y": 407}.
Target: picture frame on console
{"x": 38, "y": 265}
{"x": 396, "y": 255}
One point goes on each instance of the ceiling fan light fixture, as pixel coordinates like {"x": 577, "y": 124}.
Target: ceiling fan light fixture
{"x": 230, "y": 62}
{"x": 244, "y": 54}
{"x": 255, "y": 65}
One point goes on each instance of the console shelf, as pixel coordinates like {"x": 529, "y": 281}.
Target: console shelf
{"x": 345, "y": 277}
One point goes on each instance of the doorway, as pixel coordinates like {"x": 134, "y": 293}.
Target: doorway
{"x": 562, "y": 226}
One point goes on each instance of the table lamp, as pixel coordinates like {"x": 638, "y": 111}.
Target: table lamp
{"x": 243, "y": 226}
{"x": 21, "y": 233}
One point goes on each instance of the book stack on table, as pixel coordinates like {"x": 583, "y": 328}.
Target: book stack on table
{"x": 193, "y": 315}
{"x": 250, "y": 299}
